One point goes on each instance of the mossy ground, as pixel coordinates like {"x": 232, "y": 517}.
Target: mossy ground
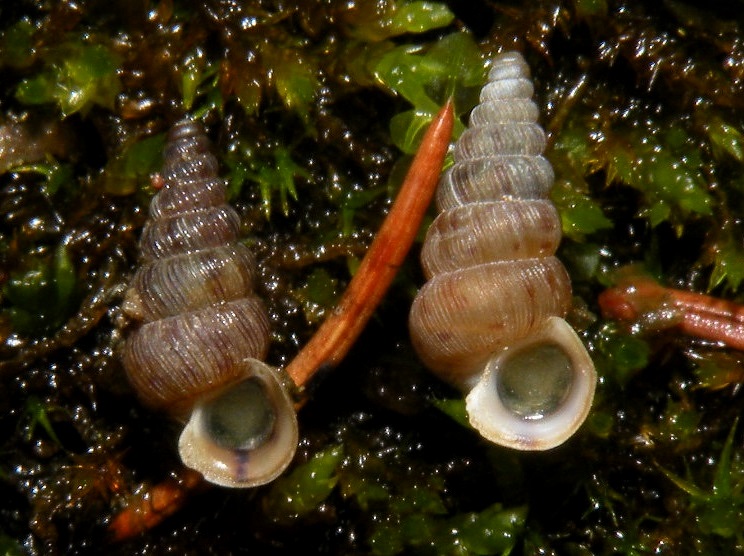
{"x": 314, "y": 109}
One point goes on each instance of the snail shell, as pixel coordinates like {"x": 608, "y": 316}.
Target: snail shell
{"x": 489, "y": 319}
{"x": 197, "y": 353}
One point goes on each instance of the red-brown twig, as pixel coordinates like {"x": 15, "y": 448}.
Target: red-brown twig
{"x": 336, "y": 335}
{"x": 145, "y": 510}
{"x": 641, "y": 301}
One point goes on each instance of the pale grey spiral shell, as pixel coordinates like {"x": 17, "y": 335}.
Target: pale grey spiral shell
{"x": 493, "y": 280}
{"x": 203, "y": 329}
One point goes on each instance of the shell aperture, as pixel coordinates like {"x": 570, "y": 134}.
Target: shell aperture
{"x": 242, "y": 436}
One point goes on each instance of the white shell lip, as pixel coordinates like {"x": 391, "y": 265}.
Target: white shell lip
{"x": 243, "y": 468}
{"x": 489, "y": 416}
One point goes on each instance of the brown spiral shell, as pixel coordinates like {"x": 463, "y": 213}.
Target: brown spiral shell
{"x": 194, "y": 289}
{"x": 197, "y": 352}
{"x": 493, "y": 279}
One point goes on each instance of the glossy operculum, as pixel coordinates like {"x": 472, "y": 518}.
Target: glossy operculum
{"x": 536, "y": 392}
{"x": 244, "y": 435}
{"x": 489, "y": 318}
{"x": 203, "y": 329}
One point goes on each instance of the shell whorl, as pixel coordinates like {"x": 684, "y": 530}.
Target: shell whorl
{"x": 489, "y": 254}
{"x": 494, "y": 285}
{"x": 193, "y": 292}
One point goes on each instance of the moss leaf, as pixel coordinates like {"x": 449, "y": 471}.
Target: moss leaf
{"x": 83, "y": 75}
{"x": 407, "y": 129}
{"x": 306, "y": 487}
{"x": 455, "y": 409}
{"x": 296, "y": 82}
{"x": 40, "y": 297}
{"x": 728, "y": 262}
{"x": 132, "y": 167}
{"x": 419, "y": 17}
{"x": 318, "y": 294}
{"x": 279, "y": 179}
{"x": 725, "y": 139}
{"x": 16, "y": 44}
{"x": 580, "y": 214}
{"x": 495, "y": 530}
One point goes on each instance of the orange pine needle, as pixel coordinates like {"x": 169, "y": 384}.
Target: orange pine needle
{"x": 162, "y": 500}
{"x": 338, "y": 332}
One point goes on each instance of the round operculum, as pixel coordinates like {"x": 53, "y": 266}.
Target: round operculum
{"x": 245, "y": 435}
{"x": 535, "y": 394}
{"x": 535, "y": 381}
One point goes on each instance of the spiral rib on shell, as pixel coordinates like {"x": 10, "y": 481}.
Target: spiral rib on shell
{"x": 489, "y": 258}
{"x": 193, "y": 292}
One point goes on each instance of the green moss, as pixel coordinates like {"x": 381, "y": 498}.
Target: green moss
{"x": 10, "y": 547}
{"x": 495, "y": 530}
{"x": 39, "y": 298}
{"x": 37, "y": 414}
{"x": 296, "y": 81}
{"x": 720, "y": 510}
{"x": 56, "y": 176}
{"x": 580, "y": 214}
{"x": 454, "y": 408}
{"x": 623, "y": 355}
{"x": 199, "y": 82}
{"x": 17, "y": 44}
{"x": 309, "y": 105}
{"x": 725, "y": 139}
{"x": 77, "y": 76}
{"x": 728, "y": 259}
{"x": 716, "y": 370}
{"x": 318, "y": 295}
{"x": 132, "y": 168}
{"x": 452, "y": 67}
{"x": 306, "y": 487}
{"x": 419, "y": 17}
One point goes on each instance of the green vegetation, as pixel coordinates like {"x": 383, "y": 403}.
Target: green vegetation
{"x": 76, "y": 76}
{"x": 41, "y": 295}
{"x": 314, "y": 109}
